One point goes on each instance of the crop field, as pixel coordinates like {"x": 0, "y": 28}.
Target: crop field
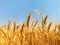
{"x": 30, "y": 34}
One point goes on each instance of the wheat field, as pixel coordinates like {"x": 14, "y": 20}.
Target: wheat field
{"x": 26, "y": 34}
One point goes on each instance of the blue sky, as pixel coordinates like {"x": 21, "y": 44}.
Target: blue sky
{"x": 18, "y": 9}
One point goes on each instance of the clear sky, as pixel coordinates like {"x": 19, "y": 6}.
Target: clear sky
{"x": 18, "y": 9}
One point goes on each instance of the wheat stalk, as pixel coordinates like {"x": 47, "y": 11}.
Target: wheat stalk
{"x": 8, "y": 26}
{"x": 28, "y": 19}
{"x": 49, "y": 26}
{"x": 14, "y": 27}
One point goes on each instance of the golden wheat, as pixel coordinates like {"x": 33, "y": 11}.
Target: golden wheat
{"x": 22, "y": 34}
